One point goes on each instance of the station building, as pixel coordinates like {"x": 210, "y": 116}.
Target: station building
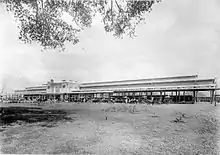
{"x": 178, "y": 88}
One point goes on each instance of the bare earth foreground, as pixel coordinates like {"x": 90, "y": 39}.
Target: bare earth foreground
{"x": 68, "y": 128}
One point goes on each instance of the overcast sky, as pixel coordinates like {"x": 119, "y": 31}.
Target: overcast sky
{"x": 180, "y": 37}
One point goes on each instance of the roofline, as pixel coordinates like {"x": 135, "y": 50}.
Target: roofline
{"x": 156, "y": 82}
{"x": 60, "y": 82}
{"x": 35, "y": 87}
{"x": 149, "y": 79}
{"x": 45, "y": 84}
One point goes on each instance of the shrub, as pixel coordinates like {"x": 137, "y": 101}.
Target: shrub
{"x": 122, "y": 108}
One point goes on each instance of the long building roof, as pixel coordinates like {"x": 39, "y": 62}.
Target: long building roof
{"x": 154, "y": 82}
{"x": 149, "y": 79}
{"x": 191, "y": 82}
{"x": 36, "y": 87}
{"x": 201, "y": 84}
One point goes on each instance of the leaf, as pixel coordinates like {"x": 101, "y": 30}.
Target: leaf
{"x": 41, "y": 21}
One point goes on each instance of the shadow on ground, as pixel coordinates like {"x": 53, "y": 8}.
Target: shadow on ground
{"x": 10, "y": 115}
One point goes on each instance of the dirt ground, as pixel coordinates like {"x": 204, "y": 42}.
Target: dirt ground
{"x": 116, "y": 129}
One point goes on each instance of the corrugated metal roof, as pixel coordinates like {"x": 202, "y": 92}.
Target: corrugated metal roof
{"x": 149, "y": 79}
{"x": 147, "y": 82}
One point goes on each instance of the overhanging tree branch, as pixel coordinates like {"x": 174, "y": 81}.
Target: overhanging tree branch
{"x": 42, "y": 24}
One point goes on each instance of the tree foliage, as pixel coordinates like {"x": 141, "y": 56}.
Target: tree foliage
{"x": 41, "y": 21}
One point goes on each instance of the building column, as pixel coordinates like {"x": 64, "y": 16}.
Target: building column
{"x": 179, "y": 99}
{"x": 194, "y": 96}
{"x": 184, "y": 96}
{"x": 160, "y": 100}
{"x": 164, "y": 95}
{"x": 211, "y": 96}
{"x": 176, "y": 96}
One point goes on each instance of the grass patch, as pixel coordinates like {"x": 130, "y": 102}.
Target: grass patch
{"x": 128, "y": 129}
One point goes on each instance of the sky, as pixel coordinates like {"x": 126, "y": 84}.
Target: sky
{"x": 180, "y": 37}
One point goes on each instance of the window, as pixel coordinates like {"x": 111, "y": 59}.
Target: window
{"x": 48, "y": 87}
{"x": 57, "y": 89}
{"x": 64, "y": 86}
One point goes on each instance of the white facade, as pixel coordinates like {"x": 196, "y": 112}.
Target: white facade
{"x": 51, "y": 88}
{"x": 182, "y": 83}
{"x": 62, "y": 87}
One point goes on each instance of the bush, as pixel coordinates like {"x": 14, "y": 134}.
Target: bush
{"x": 208, "y": 125}
{"x": 122, "y": 108}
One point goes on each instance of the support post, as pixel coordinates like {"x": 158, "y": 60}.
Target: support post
{"x": 212, "y": 96}
{"x": 194, "y": 97}
{"x": 176, "y": 97}
{"x": 172, "y": 95}
{"x": 184, "y": 97}
{"x": 215, "y": 97}
{"x": 164, "y": 95}
{"x": 161, "y": 96}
